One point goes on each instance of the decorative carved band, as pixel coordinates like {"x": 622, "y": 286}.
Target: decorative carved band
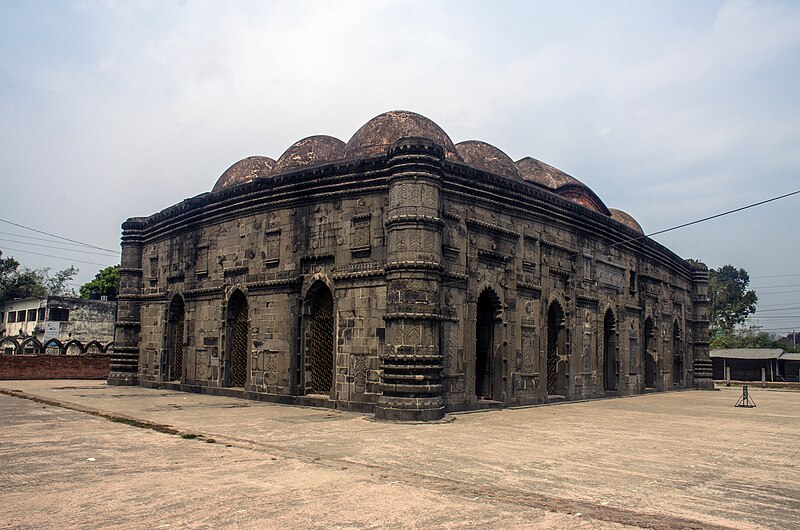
{"x": 587, "y": 298}
{"x": 201, "y": 291}
{"x": 494, "y": 228}
{"x": 559, "y": 272}
{"x": 408, "y": 218}
{"x": 426, "y": 265}
{"x": 529, "y": 286}
{"x": 451, "y": 215}
{"x": 236, "y": 271}
{"x": 558, "y": 246}
{"x": 418, "y": 316}
{"x": 358, "y": 274}
{"x": 128, "y": 323}
{"x": 273, "y": 284}
{"x": 493, "y": 256}
{"x": 317, "y": 257}
{"x": 449, "y": 275}
{"x": 130, "y": 270}
{"x": 153, "y": 296}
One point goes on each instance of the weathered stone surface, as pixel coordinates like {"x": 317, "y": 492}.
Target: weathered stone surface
{"x": 244, "y": 171}
{"x": 401, "y": 282}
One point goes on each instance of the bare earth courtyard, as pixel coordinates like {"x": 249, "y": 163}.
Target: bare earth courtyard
{"x": 671, "y": 460}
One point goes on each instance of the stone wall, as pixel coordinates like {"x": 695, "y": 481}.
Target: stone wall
{"x": 451, "y": 289}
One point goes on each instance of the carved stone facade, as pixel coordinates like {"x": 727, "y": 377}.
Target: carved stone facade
{"x": 402, "y": 274}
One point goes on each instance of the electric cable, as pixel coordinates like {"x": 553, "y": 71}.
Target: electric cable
{"x": 56, "y": 236}
{"x": 56, "y": 257}
{"x": 14, "y": 234}
{"x": 704, "y": 219}
{"x": 56, "y": 248}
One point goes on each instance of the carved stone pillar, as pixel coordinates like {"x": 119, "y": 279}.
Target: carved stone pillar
{"x": 701, "y": 362}
{"x": 411, "y": 380}
{"x": 125, "y": 357}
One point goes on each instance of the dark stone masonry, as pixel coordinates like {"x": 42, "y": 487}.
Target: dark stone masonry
{"x": 402, "y": 274}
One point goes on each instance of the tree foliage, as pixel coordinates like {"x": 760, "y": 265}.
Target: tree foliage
{"x": 751, "y": 339}
{"x": 22, "y": 282}
{"x": 730, "y": 301}
{"x": 105, "y": 283}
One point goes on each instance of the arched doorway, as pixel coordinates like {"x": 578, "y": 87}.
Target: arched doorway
{"x": 649, "y": 354}
{"x": 238, "y": 340}
{"x": 320, "y": 341}
{"x": 486, "y": 386}
{"x": 556, "y": 348}
{"x": 174, "y": 343}
{"x": 677, "y": 356}
{"x": 610, "y": 351}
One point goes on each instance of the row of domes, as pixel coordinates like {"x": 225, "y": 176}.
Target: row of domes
{"x": 378, "y": 134}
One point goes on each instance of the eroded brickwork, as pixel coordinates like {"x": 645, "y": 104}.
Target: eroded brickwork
{"x": 410, "y": 283}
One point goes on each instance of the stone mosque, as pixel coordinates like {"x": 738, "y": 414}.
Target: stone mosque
{"x": 404, "y": 275}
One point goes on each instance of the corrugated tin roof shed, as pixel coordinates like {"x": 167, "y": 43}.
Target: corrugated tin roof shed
{"x": 746, "y": 353}
{"x": 790, "y": 357}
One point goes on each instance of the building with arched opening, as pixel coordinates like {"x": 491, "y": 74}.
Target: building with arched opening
{"x": 407, "y": 275}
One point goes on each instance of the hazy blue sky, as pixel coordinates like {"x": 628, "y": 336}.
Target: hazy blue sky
{"x": 670, "y": 111}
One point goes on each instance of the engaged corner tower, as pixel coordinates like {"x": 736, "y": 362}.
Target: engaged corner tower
{"x": 411, "y": 381}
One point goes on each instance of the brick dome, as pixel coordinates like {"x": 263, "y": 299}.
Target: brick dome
{"x": 243, "y": 171}
{"x": 488, "y": 158}
{"x": 555, "y": 180}
{"x": 310, "y": 151}
{"x": 379, "y": 133}
{"x": 538, "y": 172}
{"x": 626, "y": 219}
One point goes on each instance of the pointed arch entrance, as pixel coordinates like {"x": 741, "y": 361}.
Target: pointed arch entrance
{"x": 556, "y": 350}
{"x": 649, "y": 354}
{"x": 319, "y": 348}
{"x": 677, "y": 356}
{"x": 176, "y": 318}
{"x": 238, "y": 340}
{"x": 610, "y": 361}
{"x": 486, "y": 371}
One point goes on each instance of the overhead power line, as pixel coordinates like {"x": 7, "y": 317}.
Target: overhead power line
{"x": 48, "y": 240}
{"x": 776, "y": 276}
{"x": 57, "y": 236}
{"x": 56, "y": 248}
{"x": 704, "y": 219}
{"x": 777, "y": 292}
{"x": 57, "y": 257}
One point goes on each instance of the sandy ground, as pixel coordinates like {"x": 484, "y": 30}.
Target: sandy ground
{"x": 674, "y": 460}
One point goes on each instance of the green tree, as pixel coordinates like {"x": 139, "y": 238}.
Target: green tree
{"x": 730, "y": 301}
{"x": 22, "y": 282}
{"x": 751, "y": 339}
{"x": 105, "y": 283}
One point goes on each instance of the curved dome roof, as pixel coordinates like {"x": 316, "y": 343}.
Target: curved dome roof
{"x": 555, "y": 180}
{"x": 626, "y": 219}
{"x": 543, "y": 174}
{"x": 244, "y": 171}
{"x": 379, "y": 133}
{"x": 310, "y": 151}
{"x": 488, "y": 158}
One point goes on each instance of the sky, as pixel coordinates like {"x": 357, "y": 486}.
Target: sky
{"x": 671, "y": 111}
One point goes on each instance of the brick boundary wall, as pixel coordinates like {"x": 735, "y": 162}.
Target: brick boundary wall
{"x": 54, "y": 366}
